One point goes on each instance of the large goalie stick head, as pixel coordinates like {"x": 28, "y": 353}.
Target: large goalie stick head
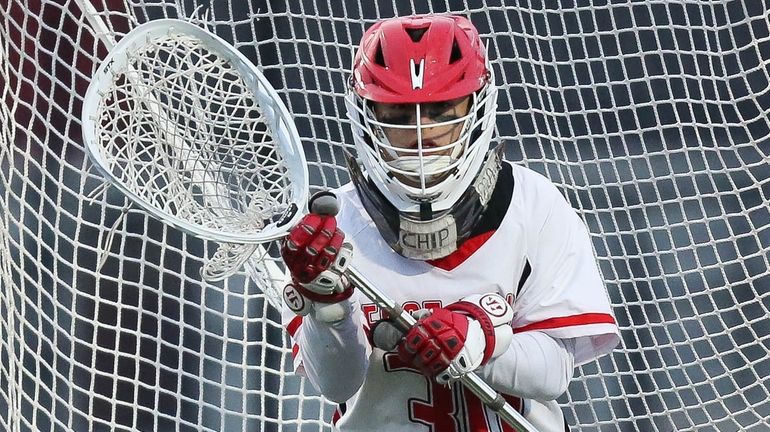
{"x": 190, "y": 130}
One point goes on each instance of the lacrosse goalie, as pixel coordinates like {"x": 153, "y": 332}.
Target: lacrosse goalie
{"x": 489, "y": 257}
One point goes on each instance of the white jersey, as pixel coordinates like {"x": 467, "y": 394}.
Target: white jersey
{"x": 536, "y": 254}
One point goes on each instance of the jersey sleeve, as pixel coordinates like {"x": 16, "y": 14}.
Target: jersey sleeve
{"x": 564, "y": 295}
{"x": 292, "y": 323}
{"x": 300, "y": 343}
{"x": 333, "y": 356}
{"x": 326, "y": 339}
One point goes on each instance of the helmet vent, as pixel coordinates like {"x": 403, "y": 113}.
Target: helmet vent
{"x": 456, "y": 54}
{"x": 379, "y": 59}
{"x": 416, "y": 33}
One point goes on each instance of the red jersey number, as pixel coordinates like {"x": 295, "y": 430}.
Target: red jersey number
{"x": 448, "y": 408}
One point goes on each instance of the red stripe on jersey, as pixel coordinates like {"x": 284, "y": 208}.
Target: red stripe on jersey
{"x": 294, "y": 351}
{"x": 339, "y": 412}
{"x": 569, "y": 321}
{"x": 468, "y": 248}
{"x": 294, "y": 325}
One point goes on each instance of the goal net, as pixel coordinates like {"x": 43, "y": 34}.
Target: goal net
{"x": 652, "y": 117}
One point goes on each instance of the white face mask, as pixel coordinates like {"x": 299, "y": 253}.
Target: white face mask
{"x": 430, "y": 164}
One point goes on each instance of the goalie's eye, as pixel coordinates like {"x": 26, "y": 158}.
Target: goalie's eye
{"x": 399, "y": 119}
{"x": 445, "y": 111}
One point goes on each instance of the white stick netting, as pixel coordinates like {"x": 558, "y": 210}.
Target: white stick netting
{"x": 652, "y": 117}
{"x": 178, "y": 126}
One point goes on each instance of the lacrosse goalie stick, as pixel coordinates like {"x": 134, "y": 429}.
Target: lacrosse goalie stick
{"x": 189, "y": 130}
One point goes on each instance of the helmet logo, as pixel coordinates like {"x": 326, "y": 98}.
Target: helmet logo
{"x": 417, "y": 73}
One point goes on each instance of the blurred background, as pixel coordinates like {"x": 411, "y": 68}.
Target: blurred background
{"x": 650, "y": 116}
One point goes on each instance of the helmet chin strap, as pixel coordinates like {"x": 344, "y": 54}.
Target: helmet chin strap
{"x": 429, "y": 163}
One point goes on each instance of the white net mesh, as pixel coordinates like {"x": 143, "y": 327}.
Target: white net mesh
{"x": 651, "y": 116}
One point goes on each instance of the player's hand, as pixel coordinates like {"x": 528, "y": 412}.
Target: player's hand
{"x": 447, "y": 343}
{"x": 317, "y": 256}
{"x": 313, "y": 252}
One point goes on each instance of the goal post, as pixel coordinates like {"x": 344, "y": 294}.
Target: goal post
{"x": 651, "y": 117}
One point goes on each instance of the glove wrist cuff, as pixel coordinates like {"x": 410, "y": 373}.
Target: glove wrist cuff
{"x": 494, "y": 315}
{"x": 474, "y": 311}
{"x": 327, "y": 298}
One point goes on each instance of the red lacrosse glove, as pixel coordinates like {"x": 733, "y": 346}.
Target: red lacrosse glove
{"x": 450, "y": 342}
{"x": 312, "y": 246}
{"x": 434, "y": 341}
{"x": 316, "y": 255}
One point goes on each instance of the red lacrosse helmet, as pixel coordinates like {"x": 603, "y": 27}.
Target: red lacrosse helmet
{"x": 434, "y": 188}
{"x": 453, "y": 60}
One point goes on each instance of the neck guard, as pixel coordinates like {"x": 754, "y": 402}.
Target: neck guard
{"x": 425, "y": 235}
